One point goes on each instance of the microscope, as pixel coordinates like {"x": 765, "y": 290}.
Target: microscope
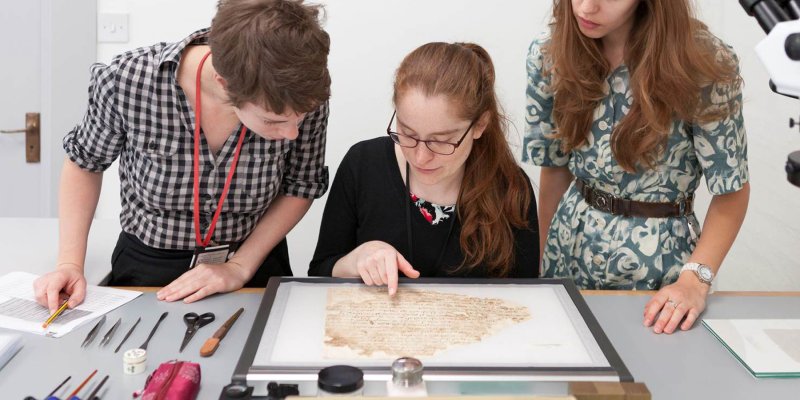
{"x": 780, "y": 54}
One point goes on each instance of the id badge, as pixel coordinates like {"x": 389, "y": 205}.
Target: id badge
{"x": 210, "y": 255}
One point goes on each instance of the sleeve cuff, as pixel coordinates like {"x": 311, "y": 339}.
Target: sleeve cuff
{"x": 306, "y": 189}
{"x": 324, "y": 267}
{"x": 78, "y": 155}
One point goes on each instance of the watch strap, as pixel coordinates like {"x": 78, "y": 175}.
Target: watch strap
{"x": 695, "y": 267}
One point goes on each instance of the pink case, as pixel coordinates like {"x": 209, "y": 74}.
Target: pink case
{"x": 173, "y": 380}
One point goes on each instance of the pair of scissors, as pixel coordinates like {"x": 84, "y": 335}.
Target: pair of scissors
{"x": 193, "y": 323}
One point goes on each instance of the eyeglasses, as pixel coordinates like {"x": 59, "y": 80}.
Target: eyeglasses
{"x": 436, "y": 146}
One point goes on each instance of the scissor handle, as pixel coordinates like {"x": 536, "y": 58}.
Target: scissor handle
{"x": 202, "y": 319}
{"x": 207, "y": 318}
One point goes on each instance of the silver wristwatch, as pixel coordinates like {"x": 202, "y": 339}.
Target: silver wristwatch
{"x": 703, "y": 272}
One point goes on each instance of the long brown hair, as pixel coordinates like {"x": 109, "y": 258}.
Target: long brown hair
{"x": 494, "y": 195}
{"x": 671, "y": 57}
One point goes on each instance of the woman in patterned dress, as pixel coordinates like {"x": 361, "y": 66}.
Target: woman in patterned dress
{"x": 630, "y": 102}
{"x": 440, "y": 195}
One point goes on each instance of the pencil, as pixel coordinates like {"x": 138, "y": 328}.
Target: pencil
{"x": 55, "y": 314}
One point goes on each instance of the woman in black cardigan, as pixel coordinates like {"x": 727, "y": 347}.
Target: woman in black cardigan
{"x": 441, "y": 195}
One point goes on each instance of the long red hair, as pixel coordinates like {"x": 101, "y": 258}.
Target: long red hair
{"x": 671, "y": 57}
{"x": 494, "y": 196}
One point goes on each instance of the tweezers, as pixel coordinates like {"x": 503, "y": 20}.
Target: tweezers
{"x": 93, "y": 332}
{"x": 107, "y": 337}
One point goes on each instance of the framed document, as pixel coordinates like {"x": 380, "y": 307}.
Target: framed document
{"x": 462, "y": 329}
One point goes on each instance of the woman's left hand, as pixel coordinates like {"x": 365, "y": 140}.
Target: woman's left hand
{"x": 205, "y": 280}
{"x": 683, "y": 300}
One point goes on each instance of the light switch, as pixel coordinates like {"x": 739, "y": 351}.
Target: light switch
{"x": 112, "y": 28}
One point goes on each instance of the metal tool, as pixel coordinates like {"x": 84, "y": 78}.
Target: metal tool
{"x": 107, "y": 337}
{"x": 59, "y": 386}
{"x": 97, "y": 388}
{"x": 161, "y": 318}
{"x": 93, "y": 332}
{"x": 128, "y": 334}
{"x": 193, "y": 323}
{"x": 50, "y": 396}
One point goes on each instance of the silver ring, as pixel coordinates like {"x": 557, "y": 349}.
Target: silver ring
{"x": 672, "y": 303}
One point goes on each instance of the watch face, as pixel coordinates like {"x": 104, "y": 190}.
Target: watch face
{"x": 705, "y": 273}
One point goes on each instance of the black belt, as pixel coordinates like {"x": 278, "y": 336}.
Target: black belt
{"x": 609, "y": 203}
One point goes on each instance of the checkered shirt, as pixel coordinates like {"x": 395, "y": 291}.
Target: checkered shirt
{"x": 137, "y": 112}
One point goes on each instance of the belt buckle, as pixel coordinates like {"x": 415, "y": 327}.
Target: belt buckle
{"x": 602, "y": 201}
{"x": 681, "y": 208}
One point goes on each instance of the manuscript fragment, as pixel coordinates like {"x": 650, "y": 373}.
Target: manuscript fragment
{"x": 365, "y": 322}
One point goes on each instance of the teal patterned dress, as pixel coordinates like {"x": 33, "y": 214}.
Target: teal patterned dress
{"x": 598, "y": 250}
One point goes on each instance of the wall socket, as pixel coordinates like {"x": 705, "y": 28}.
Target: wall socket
{"x": 112, "y": 28}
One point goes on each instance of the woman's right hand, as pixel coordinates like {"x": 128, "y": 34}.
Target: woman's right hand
{"x": 377, "y": 263}
{"x": 67, "y": 278}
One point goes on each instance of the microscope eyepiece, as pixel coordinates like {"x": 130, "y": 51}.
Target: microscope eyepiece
{"x": 767, "y": 12}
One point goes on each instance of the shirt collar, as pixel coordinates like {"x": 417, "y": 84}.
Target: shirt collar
{"x": 172, "y": 52}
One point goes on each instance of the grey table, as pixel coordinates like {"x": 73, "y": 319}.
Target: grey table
{"x": 44, "y": 362}
{"x": 692, "y": 364}
{"x": 685, "y": 365}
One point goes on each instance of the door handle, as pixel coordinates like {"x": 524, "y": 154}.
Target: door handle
{"x": 32, "y": 137}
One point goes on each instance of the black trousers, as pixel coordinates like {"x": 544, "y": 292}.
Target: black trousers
{"x": 133, "y": 263}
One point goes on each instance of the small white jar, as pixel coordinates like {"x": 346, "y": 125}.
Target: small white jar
{"x": 134, "y": 361}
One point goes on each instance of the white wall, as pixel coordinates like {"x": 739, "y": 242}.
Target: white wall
{"x": 369, "y": 38}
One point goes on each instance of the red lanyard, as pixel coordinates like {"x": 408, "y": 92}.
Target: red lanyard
{"x": 196, "y": 194}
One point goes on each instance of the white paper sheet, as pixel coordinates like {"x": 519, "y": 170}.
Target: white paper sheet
{"x": 19, "y": 310}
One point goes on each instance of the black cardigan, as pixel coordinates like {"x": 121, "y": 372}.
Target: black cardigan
{"x": 366, "y": 202}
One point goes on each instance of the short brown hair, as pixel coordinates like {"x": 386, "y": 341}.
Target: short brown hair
{"x": 272, "y": 53}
